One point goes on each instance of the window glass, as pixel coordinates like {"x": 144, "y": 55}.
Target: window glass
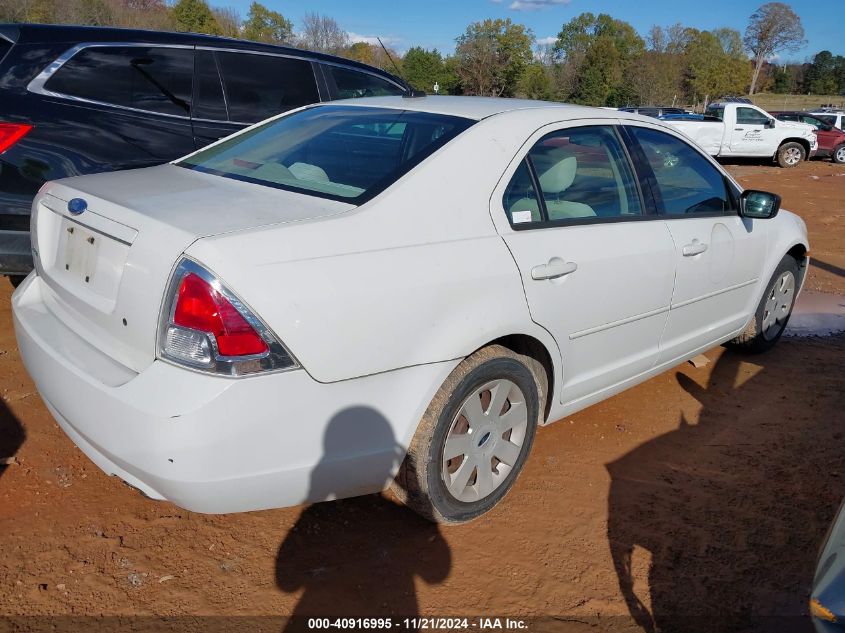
{"x": 208, "y": 91}
{"x": 338, "y": 152}
{"x": 750, "y": 116}
{"x": 584, "y": 173}
{"x": 686, "y": 181}
{"x": 5, "y": 47}
{"x": 828, "y": 118}
{"x": 788, "y": 117}
{"x": 352, "y": 84}
{"x": 716, "y": 111}
{"x": 520, "y": 200}
{"x": 815, "y": 122}
{"x": 261, "y": 86}
{"x": 148, "y": 78}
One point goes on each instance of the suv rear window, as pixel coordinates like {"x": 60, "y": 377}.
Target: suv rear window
{"x": 344, "y": 153}
{"x": 144, "y": 77}
{"x": 352, "y": 84}
{"x": 261, "y": 86}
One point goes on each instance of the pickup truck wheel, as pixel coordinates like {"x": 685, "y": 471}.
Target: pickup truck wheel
{"x": 839, "y": 154}
{"x": 790, "y": 154}
{"x": 773, "y": 311}
{"x": 474, "y": 438}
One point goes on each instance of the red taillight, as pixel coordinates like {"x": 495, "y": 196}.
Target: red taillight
{"x": 11, "y": 133}
{"x": 200, "y": 307}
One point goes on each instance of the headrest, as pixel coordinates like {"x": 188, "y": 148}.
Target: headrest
{"x": 559, "y": 177}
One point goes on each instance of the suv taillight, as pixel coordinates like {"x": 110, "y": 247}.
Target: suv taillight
{"x": 205, "y": 326}
{"x": 11, "y": 133}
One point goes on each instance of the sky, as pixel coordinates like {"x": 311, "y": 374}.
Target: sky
{"x": 402, "y": 24}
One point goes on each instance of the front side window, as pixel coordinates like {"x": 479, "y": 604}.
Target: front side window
{"x": 827, "y": 118}
{"x": 816, "y": 123}
{"x": 143, "y": 77}
{"x": 209, "y": 102}
{"x": 687, "y": 183}
{"x": 750, "y": 116}
{"x": 260, "y": 86}
{"x": 582, "y": 173}
{"x": 338, "y": 152}
{"x": 352, "y": 84}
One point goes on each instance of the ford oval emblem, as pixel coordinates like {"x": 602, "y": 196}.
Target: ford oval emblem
{"x": 77, "y": 206}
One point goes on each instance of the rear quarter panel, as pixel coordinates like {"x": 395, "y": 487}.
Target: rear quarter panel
{"x": 417, "y": 275}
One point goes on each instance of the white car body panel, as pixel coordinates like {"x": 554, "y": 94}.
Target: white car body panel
{"x": 378, "y": 304}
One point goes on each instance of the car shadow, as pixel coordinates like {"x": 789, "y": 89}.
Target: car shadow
{"x": 822, "y": 265}
{"x": 358, "y": 557}
{"x": 730, "y": 510}
{"x": 12, "y": 437}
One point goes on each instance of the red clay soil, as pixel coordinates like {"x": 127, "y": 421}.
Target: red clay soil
{"x": 701, "y": 496}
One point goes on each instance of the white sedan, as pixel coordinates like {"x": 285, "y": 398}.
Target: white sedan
{"x": 387, "y": 292}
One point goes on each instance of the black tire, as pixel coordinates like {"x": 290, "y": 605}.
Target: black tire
{"x": 16, "y": 280}
{"x": 754, "y": 340}
{"x": 790, "y": 154}
{"x": 420, "y": 482}
{"x": 838, "y": 155}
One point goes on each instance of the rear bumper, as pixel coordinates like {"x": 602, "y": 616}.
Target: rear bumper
{"x": 212, "y": 444}
{"x": 15, "y": 253}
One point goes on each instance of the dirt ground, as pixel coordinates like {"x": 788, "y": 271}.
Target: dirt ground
{"x": 701, "y": 494}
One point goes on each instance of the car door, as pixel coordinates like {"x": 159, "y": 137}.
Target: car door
{"x": 597, "y": 267}
{"x": 719, "y": 255}
{"x": 748, "y": 136}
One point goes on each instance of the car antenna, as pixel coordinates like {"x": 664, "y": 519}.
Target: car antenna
{"x": 412, "y": 93}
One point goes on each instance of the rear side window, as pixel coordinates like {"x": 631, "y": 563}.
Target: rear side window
{"x": 352, "y": 84}
{"x": 687, "y": 182}
{"x": 338, "y": 152}
{"x": 143, "y": 77}
{"x": 209, "y": 102}
{"x": 260, "y": 86}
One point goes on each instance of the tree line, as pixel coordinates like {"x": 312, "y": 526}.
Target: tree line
{"x": 594, "y": 60}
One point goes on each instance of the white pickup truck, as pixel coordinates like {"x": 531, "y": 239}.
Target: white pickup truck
{"x": 744, "y": 130}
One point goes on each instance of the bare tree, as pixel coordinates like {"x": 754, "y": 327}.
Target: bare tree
{"x": 322, "y": 33}
{"x": 774, "y": 27}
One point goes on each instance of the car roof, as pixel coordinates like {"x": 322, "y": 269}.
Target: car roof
{"x": 478, "y": 108}
{"x": 71, "y": 34}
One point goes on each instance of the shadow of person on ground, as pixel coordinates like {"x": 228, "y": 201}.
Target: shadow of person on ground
{"x": 12, "y": 437}
{"x": 358, "y": 557}
{"x": 732, "y": 510}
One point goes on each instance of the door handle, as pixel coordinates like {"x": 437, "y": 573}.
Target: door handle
{"x": 554, "y": 269}
{"x": 694, "y": 248}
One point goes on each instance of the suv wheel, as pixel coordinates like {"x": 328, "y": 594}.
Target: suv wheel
{"x": 839, "y": 154}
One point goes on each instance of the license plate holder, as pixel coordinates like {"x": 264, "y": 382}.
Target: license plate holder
{"x": 79, "y": 252}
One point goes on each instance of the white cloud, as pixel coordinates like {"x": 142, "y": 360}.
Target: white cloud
{"x": 534, "y": 5}
{"x": 372, "y": 39}
{"x": 547, "y": 41}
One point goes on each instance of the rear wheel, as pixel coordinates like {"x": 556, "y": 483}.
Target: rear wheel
{"x": 773, "y": 311}
{"x": 790, "y": 154}
{"x": 838, "y": 155}
{"x": 474, "y": 438}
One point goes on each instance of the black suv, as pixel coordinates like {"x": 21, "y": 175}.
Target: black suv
{"x": 80, "y": 100}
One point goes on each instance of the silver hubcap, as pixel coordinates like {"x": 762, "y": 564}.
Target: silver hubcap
{"x": 778, "y": 305}
{"x": 485, "y": 440}
{"x": 792, "y": 156}
{"x": 840, "y": 155}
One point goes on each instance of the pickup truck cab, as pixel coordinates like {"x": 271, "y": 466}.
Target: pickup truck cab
{"x": 743, "y": 130}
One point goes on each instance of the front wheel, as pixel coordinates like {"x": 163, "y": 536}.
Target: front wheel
{"x": 838, "y": 155}
{"x": 474, "y": 438}
{"x": 773, "y": 311}
{"x": 790, "y": 154}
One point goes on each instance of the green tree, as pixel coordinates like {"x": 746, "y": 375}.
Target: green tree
{"x": 424, "y": 68}
{"x": 492, "y": 55}
{"x": 716, "y": 66}
{"x": 264, "y": 25}
{"x": 535, "y": 82}
{"x": 195, "y": 16}
{"x": 821, "y": 75}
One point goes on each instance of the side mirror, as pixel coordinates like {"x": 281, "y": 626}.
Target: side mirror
{"x": 770, "y": 123}
{"x": 760, "y": 205}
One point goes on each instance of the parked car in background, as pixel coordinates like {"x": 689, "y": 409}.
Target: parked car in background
{"x": 81, "y": 100}
{"x": 286, "y": 315}
{"x": 732, "y": 129}
{"x": 827, "y": 598}
{"x": 831, "y": 116}
{"x": 654, "y": 111}
{"x": 686, "y": 116}
{"x": 831, "y": 139}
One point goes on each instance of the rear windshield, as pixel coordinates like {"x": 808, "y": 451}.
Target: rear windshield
{"x": 716, "y": 112}
{"x": 346, "y": 153}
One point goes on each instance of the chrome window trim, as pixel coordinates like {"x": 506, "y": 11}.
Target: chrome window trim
{"x": 36, "y": 85}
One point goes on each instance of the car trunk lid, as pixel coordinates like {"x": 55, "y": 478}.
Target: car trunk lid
{"x": 105, "y": 245}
